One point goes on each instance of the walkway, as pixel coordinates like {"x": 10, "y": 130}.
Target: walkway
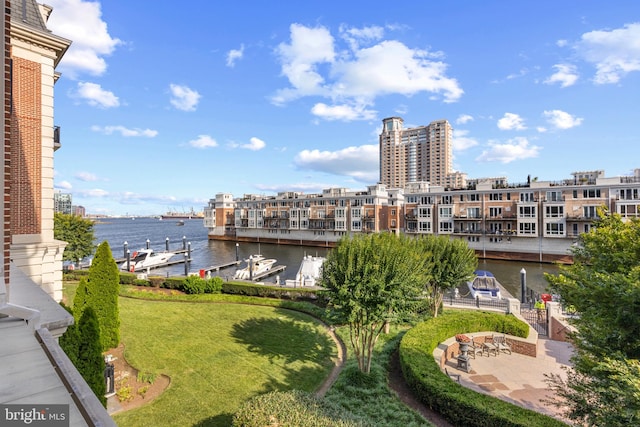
{"x": 516, "y": 378}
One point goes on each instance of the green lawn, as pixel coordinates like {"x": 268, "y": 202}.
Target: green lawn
{"x": 217, "y": 356}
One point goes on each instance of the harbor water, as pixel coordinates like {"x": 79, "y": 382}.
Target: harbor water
{"x": 207, "y": 253}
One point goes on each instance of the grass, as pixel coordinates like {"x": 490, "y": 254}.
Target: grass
{"x": 368, "y": 398}
{"x": 218, "y": 356}
{"x": 226, "y": 351}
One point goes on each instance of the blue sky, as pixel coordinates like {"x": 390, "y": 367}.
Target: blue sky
{"x": 162, "y": 105}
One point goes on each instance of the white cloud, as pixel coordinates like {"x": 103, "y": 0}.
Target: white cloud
{"x": 254, "y": 144}
{"x": 357, "y": 75}
{"x": 463, "y": 119}
{"x": 183, "y": 97}
{"x": 461, "y": 141}
{"x": 81, "y": 22}
{"x": 614, "y": 53}
{"x": 86, "y": 176}
{"x": 561, "y": 119}
{"x": 64, "y": 185}
{"x": 511, "y": 121}
{"x": 342, "y": 112}
{"x": 565, "y": 74}
{"x": 233, "y": 55}
{"x": 514, "y": 149}
{"x": 308, "y": 48}
{"x": 203, "y": 141}
{"x": 95, "y": 96}
{"x": 124, "y": 131}
{"x": 390, "y": 67}
{"x": 357, "y": 36}
{"x": 96, "y": 192}
{"x": 361, "y": 162}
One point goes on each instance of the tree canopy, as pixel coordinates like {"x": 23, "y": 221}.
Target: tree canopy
{"x": 449, "y": 262}
{"x": 77, "y": 232}
{"x": 371, "y": 279}
{"x": 603, "y": 285}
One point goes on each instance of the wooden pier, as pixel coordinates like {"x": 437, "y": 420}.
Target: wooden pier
{"x": 221, "y": 266}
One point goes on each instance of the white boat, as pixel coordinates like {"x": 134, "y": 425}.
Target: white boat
{"x": 309, "y": 271}
{"x": 484, "y": 285}
{"x": 144, "y": 259}
{"x": 256, "y": 265}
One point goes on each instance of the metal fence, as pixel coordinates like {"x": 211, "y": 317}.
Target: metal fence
{"x": 489, "y": 303}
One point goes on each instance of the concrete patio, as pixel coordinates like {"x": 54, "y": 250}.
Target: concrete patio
{"x": 517, "y": 378}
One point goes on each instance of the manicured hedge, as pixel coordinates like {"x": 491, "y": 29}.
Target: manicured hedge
{"x": 260, "y": 290}
{"x": 460, "y": 405}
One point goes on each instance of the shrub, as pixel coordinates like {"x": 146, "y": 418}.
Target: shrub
{"x": 213, "y": 285}
{"x": 103, "y": 285}
{"x": 193, "y": 285}
{"x": 141, "y": 282}
{"x": 156, "y": 281}
{"x": 260, "y": 290}
{"x": 461, "y": 406}
{"x": 127, "y": 278}
{"x": 90, "y": 363}
{"x": 174, "y": 283}
{"x": 289, "y": 409}
{"x": 124, "y": 391}
{"x": 146, "y": 377}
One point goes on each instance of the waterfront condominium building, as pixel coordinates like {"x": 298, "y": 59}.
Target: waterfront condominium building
{"x": 535, "y": 221}
{"x": 420, "y": 154}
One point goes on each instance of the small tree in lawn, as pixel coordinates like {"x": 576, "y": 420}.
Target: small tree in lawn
{"x": 449, "y": 262}
{"x": 370, "y": 280}
{"x": 103, "y": 286}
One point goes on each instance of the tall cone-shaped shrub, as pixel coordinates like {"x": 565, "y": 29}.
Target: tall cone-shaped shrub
{"x": 102, "y": 288}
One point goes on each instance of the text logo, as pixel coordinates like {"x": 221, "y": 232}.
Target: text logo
{"x": 34, "y": 415}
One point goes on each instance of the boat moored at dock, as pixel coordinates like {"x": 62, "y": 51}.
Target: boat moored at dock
{"x": 144, "y": 259}
{"x": 309, "y": 272}
{"x": 484, "y": 285}
{"x": 256, "y": 266}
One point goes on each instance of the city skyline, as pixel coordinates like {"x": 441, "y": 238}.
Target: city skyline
{"x": 161, "y": 107}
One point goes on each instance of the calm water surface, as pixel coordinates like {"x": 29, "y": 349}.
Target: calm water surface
{"x": 206, "y": 253}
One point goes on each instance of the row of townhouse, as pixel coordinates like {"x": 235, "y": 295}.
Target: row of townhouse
{"x": 533, "y": 221}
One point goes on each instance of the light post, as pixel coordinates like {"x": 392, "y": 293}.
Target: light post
{"x": 237, "y": 246}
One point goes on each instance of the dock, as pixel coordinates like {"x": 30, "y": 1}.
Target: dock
{"x": 221, "y": 266}
{"x": 271, "y": 272}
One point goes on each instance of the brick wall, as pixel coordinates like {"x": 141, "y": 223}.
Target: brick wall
{"x": 26, "y": 147}
{"x": 6, "y": 144}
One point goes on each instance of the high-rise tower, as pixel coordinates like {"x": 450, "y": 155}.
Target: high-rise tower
{"x": 416, "y": 154}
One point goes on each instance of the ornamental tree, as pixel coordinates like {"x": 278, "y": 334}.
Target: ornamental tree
{"x": 100, "y": 291}
{"x": 371, "y": 279}
{"x": 603, "y": 285}
{"x": 448, "y": 263}
{"x": 90, "y": 363}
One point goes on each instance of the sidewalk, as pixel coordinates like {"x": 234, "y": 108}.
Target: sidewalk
{"x": 516, "y": 378}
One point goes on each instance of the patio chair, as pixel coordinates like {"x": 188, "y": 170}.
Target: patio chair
{"x": 475, "y": 348}
{"x": 455, "y": 377}
{"x": 489, "y": 346}
{"x": 502, "y": 344}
